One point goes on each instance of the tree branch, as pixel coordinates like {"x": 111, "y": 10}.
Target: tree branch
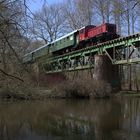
{"x": 12, "y": 76}
{"x": 10, "y": 46}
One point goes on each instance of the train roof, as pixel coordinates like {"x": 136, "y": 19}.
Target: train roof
{"x": 64, "y": 36}
{"x": 85, "y": 27}
{"x": 46, "y": 45}
{"x": 94, "y": 25}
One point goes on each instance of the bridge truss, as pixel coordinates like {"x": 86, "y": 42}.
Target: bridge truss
{"x": 121, "y": 51}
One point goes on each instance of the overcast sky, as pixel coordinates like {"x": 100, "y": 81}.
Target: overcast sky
{"x": 35, "y": 5}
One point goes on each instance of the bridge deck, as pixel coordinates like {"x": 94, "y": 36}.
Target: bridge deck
{"x": 123, "y": 50}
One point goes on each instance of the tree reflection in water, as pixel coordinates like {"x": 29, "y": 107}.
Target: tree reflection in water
{"x": 71, "y": 120}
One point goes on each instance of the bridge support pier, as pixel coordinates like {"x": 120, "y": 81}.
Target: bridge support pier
{"x": 105, "y": 71}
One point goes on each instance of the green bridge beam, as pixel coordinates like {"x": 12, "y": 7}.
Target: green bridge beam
{"x": 82, "y": 59}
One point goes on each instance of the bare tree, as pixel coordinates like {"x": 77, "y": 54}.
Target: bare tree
{"x": 48, "y": 23}
{"x": 79, "y": 13}
{"x": 12, "y": 28}
{"x": 117, "y": 8}
{"x": 103, "y": 8}
{"x": 84, "y": 11}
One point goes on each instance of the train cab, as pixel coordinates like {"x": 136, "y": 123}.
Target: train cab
{"x": 102, "y": 29}
{"x": 83, "y": 32}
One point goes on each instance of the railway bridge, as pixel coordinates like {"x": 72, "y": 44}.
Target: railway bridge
{"x": 104, "y": 59}
{"x": 121, "y": 51}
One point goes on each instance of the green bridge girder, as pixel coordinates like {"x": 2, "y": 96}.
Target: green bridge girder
{"x": 123, "y": 50}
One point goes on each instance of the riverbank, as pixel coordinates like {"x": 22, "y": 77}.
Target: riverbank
{"x": 128, "y": 93}
{"x": 77, "y": 88}
{"x": 31, "y": 94}
{"x": 42, "y": 94}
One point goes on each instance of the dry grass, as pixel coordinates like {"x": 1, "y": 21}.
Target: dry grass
{"x": 83, "y": 88}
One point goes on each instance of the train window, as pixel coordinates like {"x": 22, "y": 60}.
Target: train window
{"x": 71, "y": 37}
{"x": 77, "y": 40}
{"x": 111, "y": 28}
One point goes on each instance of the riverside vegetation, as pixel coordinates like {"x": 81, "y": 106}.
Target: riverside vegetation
{"x": 77, "y": 88}
{"x": 83, "y": 88}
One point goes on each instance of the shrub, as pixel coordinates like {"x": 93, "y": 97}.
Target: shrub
{"x": 83, "y": 88}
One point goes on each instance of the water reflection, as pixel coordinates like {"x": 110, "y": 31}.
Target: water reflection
{"x": 71, "y": 120}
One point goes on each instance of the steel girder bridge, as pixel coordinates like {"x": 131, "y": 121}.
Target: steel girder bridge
{"x": 121, "y": 51}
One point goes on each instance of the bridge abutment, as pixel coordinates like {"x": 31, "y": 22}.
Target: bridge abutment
{"x": 105, "y": 71}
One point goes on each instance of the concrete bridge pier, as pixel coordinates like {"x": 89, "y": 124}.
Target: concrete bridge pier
{"x": 105, "y": 71}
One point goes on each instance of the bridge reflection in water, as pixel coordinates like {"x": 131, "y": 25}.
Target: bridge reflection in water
{"x": 108, "y": 119}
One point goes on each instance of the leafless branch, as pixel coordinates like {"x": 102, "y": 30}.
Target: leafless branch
{"x": 11, "y": 76}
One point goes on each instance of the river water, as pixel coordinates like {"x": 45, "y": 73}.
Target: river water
{"x": 109, "y": 119}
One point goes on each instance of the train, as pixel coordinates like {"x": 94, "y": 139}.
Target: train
{"x": 86, "y": 36}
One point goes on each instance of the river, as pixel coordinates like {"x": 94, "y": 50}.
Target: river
{"x": 61, "y": 119}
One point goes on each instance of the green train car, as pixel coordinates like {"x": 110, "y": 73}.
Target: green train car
{"x": 28, "y": 58}
{"x": 64, "y": 42}
{"x": 36, "y": 54}
{"x": 59, "y": 45}
{"x": 40, "y": 52}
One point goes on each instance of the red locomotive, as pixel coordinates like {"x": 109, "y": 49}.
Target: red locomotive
{"x": 97, "y": 34}
{"x": 83, "y": 32}
{"x": 86, "y": 36}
